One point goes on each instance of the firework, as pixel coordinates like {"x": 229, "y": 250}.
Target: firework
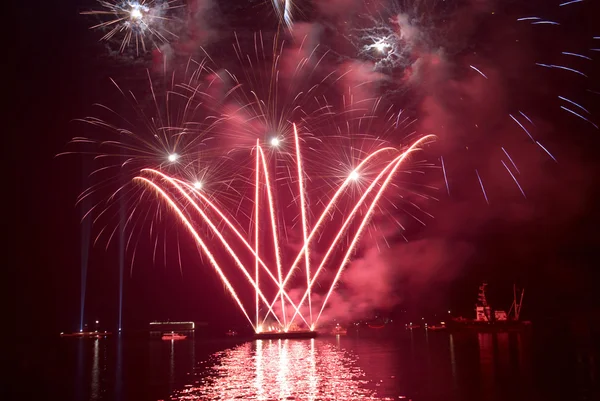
{"x": 136, "y": 24}
{"x": 165, "y": 129}
{"x": 410, "y": 41}
{"x": 163, "y": 184}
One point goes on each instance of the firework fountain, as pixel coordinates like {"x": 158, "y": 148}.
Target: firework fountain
{"x": 280, "y": 306}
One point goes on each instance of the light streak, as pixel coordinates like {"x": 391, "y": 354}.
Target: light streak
{"x": 527, "y": 118}
{"x": 511, "y": 160}
{"x": 569, "y": 2}
{"x": 546, "y": 150}
{"x": 560, "y": 67}
{"x": 482, "y": 187}
{"x": 545, "y": 23}
{"x": 216, "y": 231}
{"x": 445, "y": 176}
{"x": 301, "y": 190}
{"x": 262, "y": 177}
{"x": 574, "y": 104}
{"x": 577, "y": 55}
{"x": 578, "y": 115}
{"x": 256, "y": 227}
{"x": 274, "y": 228}
{"x": 398, "y": 161}
{"x": 514, "y": 178}
{"x": 479, "y": 71}
{"x": 325, "y": 213}
{"x": 199, "y": 241}
{"x": 521, "y": 125}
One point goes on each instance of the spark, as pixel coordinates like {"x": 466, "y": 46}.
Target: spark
{"x": 173, "y": 157}
{"x": 275, "y": 142}
{"x": 511, "y": 160}
{"x": 514, "y": 178}
{"x": 560, "y": 67}
{"x": 445, "y": 177}
{"x": 570, "y": 2}
{"x": 578, "y": 115}
{"x": 545, "y": 23}
{"x": 521, "y": 125}
{"x": 574, "y": 104}
{"x": 546, "y": 150}
{"x": 198, "y": 184}
{"x": 529, "y": 19}
{"x": 482, "y": 187}
{"x": 480, "y": 73}
{"x": 354, "y": 176}
{"x": 526, "y": 117}
{"x": 577, "y": 55}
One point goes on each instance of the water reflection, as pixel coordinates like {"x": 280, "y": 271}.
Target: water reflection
{"x": 281, "y": 369}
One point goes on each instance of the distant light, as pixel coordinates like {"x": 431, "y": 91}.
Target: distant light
{"x": 173, "y": 157}
{"x": 448, "y": 311}
{"x": 354, "y": 175}
{"x": 97, "y": 322}
{"x": 275, "y": 141}
{"x": 198, "y": 185}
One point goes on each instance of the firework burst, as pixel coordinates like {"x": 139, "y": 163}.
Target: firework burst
{"x": 419, "y": 46}
{"x": 140, "y": 24}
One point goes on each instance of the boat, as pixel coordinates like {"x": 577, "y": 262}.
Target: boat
{"x": 488, "y": 319}
{"x": 173, "y": 336}
{"x": 339, "y": 330}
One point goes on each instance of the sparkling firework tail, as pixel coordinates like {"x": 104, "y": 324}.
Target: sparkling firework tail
{"x": 199, "y": 241}
{"x": 350, "y": 217}
{"x": 301, "y": 190}
{"x": 217, "y": 233}
{"x": 368, "y": 215}
{"x": 273, "y": 227}
{"x": 330, "y": 205}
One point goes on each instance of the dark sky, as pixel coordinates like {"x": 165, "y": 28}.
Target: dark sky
{"x": 61, "y": 70}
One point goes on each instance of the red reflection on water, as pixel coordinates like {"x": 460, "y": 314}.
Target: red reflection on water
{"x": 280, "y": 369}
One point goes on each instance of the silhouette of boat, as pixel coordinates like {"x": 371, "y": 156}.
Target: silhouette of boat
{"x": 488, "y": 319}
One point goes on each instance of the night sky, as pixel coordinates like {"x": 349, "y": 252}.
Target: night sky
{"x": 546, "y": 243}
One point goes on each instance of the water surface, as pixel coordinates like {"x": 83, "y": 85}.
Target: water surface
{"x": 416, "y": 365}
